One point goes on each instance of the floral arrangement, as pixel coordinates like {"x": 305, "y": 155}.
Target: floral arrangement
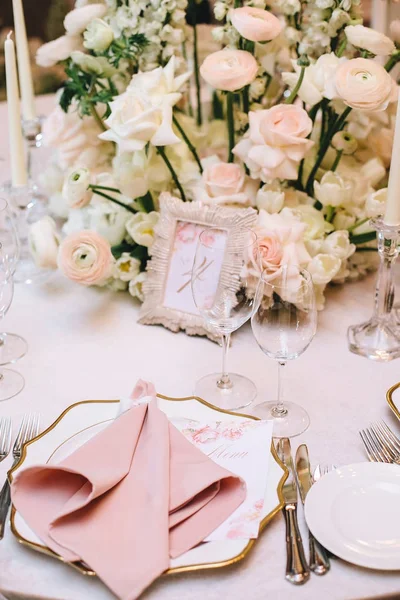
{"x": 286, "y": 107}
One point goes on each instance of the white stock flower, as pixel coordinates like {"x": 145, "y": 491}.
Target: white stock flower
{"x": 127, "y": 267}
{"x": 338, "y": 244}
{"x": 314, "y": 219}
{"x": 376, "y": 203}
{"x": 78, "y": 19}
{"x": 96, "y": 65}
{"x": 98, "y": 36}
{"x": 323, "y": 268}
{"x": 131, "y": 173}
{"x": 136, "y": 286}
{"x": 44, "y": 242}
{"x": 333, "y": 190}
{"x": 270, "y": 197}
{"x": 141, "y": 228}
{"x": 369, "y": 39}
{"x": 76, "y": 190}
{"x": 144, "y": 112}
{"x": 60, "y": 49}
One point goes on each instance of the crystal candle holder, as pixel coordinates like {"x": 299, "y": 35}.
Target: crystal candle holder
{"x": 32, "y": 132}
{"x": 379, "y": 338}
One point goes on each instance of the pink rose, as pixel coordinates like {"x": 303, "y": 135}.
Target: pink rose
{"x": 85, "y": 257}
{"x": 365, "y": 84}
{"x": 255, "y": 24}
{"x": 226, "y": 183}
{"x": 229, "y": 70}
{"x": 276, "y": 142}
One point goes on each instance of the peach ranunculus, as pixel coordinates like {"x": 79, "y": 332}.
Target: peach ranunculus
{"x": 226, "y": 183}
{"x": 229, "y": 70}
{"x": 276, "y": 142}
{"x": 255, "y": 24}
{"x": 85, "y": 257}
{"x": 364, "y": 84}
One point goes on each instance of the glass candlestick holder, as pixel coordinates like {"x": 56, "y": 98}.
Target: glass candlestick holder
{"x": 32, "y": 131}
{"x": 379, "y": 338}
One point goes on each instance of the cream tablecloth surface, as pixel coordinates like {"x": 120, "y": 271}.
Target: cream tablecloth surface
{"x": 86, "y": 344}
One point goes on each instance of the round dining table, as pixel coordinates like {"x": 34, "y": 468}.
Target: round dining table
{"x": 86, "y": 343}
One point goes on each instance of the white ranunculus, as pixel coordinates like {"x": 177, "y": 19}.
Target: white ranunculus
{"x": 98, "y": 36}
{"x": 136, "y": 286}
{"x": 126, "y": 267}
{"x": 76, "y": 188}
{"x": 333, "y": 190}
{"x": 314, "y": 219}
{"x": 318, "y": 82}
{"x": 96, "y": 65}
{"x": 44, "y": 242}
{"x": 78, "y": 19}
{"x": 343, "y": 220}
{"x": 270, "y": 197}
{"x": 338, "y": 244}
{"x": 144, "y": 112}
{"x": 130, "y": 171}
{"x": 141, "y": 228}
{"x": 323, "y": 268}
{"x": 108, "y": 219}
{"x": 376, "y": 203}
{"x": 369, "y": 39}
{"x": 53, "y": 52}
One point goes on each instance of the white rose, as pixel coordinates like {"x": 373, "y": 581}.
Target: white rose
{"x": 314, "y": 219}
{"x": 333, "y": 190}
{"x": 97, "y": 65}
{"x": 127, "y": 267}
{"x": 109, "y": 220}
{"x": 369, "y": 39}
{"x": 338, "y": 244}
{"x": 343, "y": 220}
{"x": 44, "y": 242}
{"x": 270, "y": 198}
{"x": 130, "y": 171}
{"x": 98, "y": 36}
{"x": 376, "y": 203}
{"x": 78, "y": 19}
{"x": 53, "y": 52}
{"x": 141, "y": 228}
{"x": 76, "y": 188}
{"x": 323, "y": 268}
{"x": 136, "y": 286}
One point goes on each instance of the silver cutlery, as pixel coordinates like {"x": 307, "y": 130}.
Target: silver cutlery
{"x": 5, "y": 437}
{"x": 318, "y": 560}
{"x": 381, "y": 444}
{"x": 297, "y": 570}
{"x": 29, "y": 429}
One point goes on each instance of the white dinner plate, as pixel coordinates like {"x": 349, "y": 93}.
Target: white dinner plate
{"x": 354, "y": 512}
{"x": 83, "y": 420}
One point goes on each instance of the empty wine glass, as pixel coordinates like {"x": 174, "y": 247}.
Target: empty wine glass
{"x": 11, "y": 382}
{"x": 12, "y": 346}
{"x": 225, "y": 277}
{"x": 284, "y": 326}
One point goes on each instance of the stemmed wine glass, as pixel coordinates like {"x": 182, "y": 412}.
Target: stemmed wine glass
{"x": 225, "y": 283}
{"x": 284, "y": 326}
{"x": 12, "y": 346}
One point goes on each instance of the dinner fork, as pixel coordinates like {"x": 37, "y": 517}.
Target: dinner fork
{"x": 5, "y": 437}
{"x": 381, "y": 444}
{"x": 29, "y": 429}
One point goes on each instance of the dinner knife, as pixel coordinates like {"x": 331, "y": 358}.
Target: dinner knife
{"x": 297, "y": 570}
{"x": 319, "y": 561}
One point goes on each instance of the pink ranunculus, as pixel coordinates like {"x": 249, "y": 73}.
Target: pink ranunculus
{"x": 229, "y": 70}
{"x": 255, "y": 24}
{"x": 276, "y": 142}
{"x": 85, "y": 257}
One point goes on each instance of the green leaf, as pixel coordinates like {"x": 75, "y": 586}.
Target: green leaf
{"x": 142, "y": 254}
{"x": 117, "y": 251}
{"x": 363, "y": 238}
{"x": 146, "y": 202}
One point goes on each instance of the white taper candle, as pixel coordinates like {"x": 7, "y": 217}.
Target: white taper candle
{"x": 17, "y": 156}
{"x": 392, "y": 213}
{"x": 24, "y": 64}
{"x": 379, "y": 15}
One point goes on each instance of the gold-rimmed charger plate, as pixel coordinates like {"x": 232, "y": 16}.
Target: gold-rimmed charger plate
{"x": 219, "y": 557}
{"x": 390, "y": 401}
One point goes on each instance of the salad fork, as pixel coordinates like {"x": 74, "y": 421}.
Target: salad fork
{"x": 29, "y": 429}
{"x": 5, "y": 437}
{"x": 381, "y": 444}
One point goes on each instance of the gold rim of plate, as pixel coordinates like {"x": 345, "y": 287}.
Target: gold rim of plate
{"x": 84, "y": 569}
{"x": 389, "y": 399}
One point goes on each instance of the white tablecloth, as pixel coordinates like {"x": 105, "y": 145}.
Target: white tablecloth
{"x": 86, "y": 344}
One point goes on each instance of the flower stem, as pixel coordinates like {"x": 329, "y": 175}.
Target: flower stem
{"x": 337, "y": 160}
{"x": 197, "y": 73}
{"x": 231, "y": 130}
{"x": 245, "y": 98}
{"x": 97, "y": 118}
{"x": 330, "y": 213}
{"x": 392, "y": 61}
{"x": 296, "y": 88}
{"x": 104, "y": 187}
{"x": 161, "y": 152}
{"x": 341, "y": 48}
{"x": 126, "y": 206}
{"x": 357, "y": 224}
{"x": 188, "y": 143}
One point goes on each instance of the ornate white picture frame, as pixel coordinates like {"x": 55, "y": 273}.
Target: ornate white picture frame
{"x": 167, "y": 290}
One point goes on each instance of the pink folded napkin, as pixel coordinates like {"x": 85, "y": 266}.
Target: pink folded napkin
{"x": 133, "y": 496}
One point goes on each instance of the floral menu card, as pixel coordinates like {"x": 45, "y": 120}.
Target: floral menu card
{"x": 242, "y": 447}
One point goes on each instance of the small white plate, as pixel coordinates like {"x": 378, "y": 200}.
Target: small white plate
{"x": 355, "y": 513}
